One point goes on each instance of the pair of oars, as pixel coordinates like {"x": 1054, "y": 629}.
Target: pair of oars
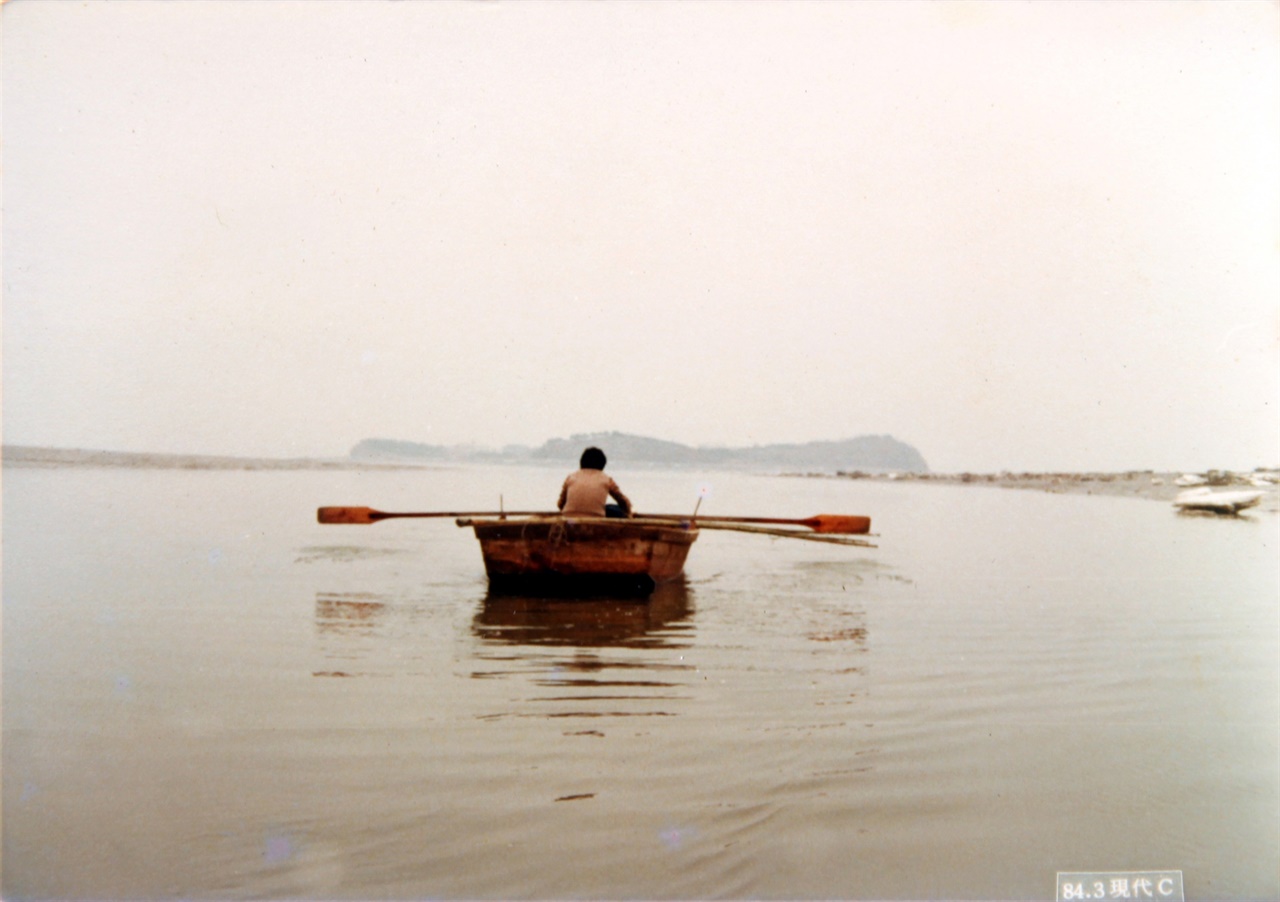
{"x": 840, "y": 524}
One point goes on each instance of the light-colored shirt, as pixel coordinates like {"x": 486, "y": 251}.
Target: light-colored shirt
{"x": 586, "y": 492}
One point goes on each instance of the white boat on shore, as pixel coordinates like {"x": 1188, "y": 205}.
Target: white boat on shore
{"x": 1205, "y": 499}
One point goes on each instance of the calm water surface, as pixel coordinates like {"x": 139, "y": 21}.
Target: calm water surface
{"x": 208, "y": 695}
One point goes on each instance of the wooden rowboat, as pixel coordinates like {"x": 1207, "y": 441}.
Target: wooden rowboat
{"x": 582, "y": 555}
{"x": 554, "y": 554}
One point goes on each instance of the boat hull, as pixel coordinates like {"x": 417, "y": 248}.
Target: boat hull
{"x": 561, "y": 555}
{"x": 1217, "y": 502}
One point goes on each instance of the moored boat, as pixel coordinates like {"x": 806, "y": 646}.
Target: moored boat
{"x": 582, "y": 555}
{"x": 1205, "y": 499}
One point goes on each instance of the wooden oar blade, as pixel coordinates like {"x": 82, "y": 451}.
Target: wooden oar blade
{"x": 840, "y": 523}
{"x": 346, "y": 515}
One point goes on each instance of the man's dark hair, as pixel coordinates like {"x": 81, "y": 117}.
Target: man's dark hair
{"x": 592, "y": 459}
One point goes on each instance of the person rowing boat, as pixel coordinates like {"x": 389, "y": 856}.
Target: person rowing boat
{"x": 586, "y": 491}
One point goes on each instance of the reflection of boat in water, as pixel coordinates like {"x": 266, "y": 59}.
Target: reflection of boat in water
{"x": 1205, "y": 499}
{"x": 585, "y": 621}
{"x": 566, "y": 555}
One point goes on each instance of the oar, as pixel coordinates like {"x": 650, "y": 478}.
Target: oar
{"x": 843, "y": 524}
{"x": 366, "y": 515}
{"x": 838, "y": 523}
{"x": 784, "y": 533}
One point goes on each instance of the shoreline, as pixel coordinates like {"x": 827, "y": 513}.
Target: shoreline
{"x": 24, "y": 456}
{"x": 1145, "y": 484}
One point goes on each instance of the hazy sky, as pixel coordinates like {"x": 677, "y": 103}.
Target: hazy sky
{"x": 1015, "y": 235}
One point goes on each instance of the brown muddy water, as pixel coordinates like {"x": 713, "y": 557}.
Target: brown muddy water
{"x": 209, "y": 696}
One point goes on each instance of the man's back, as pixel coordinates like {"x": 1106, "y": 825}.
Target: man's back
{"x": 586, "y": 492}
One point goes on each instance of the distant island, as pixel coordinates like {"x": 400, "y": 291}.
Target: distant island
{"x": 868, "y": 453}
